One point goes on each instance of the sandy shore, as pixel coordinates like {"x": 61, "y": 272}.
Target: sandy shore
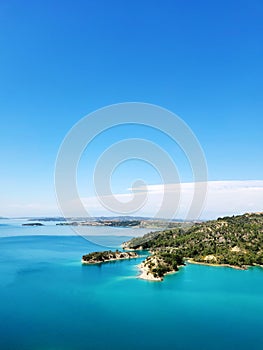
{"x": 146, "y": 274}
{"x": 191, "y": 261}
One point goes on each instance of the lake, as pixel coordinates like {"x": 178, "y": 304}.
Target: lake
{"x": 48, "y": 300}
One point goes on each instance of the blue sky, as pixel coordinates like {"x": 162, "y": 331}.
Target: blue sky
{"x": 60, "y": 60}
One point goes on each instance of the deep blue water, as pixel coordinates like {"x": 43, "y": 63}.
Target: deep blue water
{"x": 48, "y": 300}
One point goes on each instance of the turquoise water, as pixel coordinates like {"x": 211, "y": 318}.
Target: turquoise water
{"x": 48, "y": 300}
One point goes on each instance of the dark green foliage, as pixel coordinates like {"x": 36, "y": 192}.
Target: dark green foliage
{"x": 99, "y": 257}
{"x": 167, "y": 261}
{"x": 236, "y": 240}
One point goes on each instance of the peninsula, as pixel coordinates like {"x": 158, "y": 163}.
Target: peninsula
{"x": 235, "y": 241}
{"x": 101, "y": 257}
{"x": 126, "y": 221}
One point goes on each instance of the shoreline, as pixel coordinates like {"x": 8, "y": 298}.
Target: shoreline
{"x": 84, "y": 262}
{"x": 190, "y": 261}
{"x": 148, "y": 276}
{"x": 145, "y": 274}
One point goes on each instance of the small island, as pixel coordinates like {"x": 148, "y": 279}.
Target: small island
{"x": 33, "y": 224}
{"x": 101, "y": 257}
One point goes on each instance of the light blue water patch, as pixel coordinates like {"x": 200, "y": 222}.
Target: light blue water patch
{"x": 48, "y": 300}
{"x": 96, "y": 234}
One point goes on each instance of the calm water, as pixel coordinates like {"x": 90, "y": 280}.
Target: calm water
{"x": 48, "y": 300}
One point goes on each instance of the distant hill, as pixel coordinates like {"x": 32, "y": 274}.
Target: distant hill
{"x": 47, "y": 219}
{"x": 103, "y": 218}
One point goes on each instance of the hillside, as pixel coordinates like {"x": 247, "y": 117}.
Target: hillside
{"x": 236, "y": 241}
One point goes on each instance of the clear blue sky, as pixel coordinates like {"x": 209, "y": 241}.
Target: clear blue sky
{"x": 60, "y": 60}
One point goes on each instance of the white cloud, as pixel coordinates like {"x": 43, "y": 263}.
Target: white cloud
{"x": 223, "y": 198}
{"x": 233, "y": 197}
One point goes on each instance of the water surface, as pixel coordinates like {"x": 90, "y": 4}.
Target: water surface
{"x": 48, "y": 300}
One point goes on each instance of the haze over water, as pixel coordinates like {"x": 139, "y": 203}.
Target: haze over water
{"x": 50, "y": 301}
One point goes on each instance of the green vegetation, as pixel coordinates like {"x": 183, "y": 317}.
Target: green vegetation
{"x": 236, "y": 241}
{"x": 100, "y": 257}
{"x": 120, "y": 223}
{"x": 162, "y": 262}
